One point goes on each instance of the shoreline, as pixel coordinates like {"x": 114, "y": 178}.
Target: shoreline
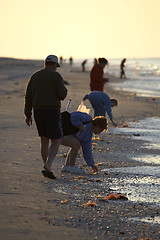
{"x": 31, "y": 207}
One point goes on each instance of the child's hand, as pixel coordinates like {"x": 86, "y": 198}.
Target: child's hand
{"x": 95, "y": 169}
{"x": 114, "y": 124}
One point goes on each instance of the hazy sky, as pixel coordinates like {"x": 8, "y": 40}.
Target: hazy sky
{"x": 80, "y": 28}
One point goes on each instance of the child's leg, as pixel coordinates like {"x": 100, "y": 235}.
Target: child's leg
{"x": 72, "y": 142}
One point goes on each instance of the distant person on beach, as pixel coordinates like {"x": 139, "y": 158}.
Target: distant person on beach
{"x": 95, "y": 61}
{"x": 44, "y": 93}
{"x": 83, "y": 65}
{"x": 122, "y": 69}
{"x": 71, "y": 60}
{"x": 61, "y": 60}
{"x": 101, "y": 104}
{"x": 97, "y": 80}
{"x": 84, "y": 139}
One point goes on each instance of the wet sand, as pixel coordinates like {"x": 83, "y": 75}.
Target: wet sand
{"x": 34, "y": 207}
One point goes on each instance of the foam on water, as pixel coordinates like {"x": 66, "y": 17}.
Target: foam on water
{"x": 140, "y": 87}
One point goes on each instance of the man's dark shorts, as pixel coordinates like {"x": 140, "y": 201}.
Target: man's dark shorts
{"x": 48, "y": 122}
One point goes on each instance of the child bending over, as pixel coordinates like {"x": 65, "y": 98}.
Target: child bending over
{"x": 82, "y": 139}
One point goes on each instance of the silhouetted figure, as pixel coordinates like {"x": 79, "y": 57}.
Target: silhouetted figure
{"x": 95, "y": 61}
{"x": 83, "y": 65}
{"x": 97, "y": 80}
{"x": 61, "y": 60}
{"x": 71, "y": 60}
{"x": 44, "y": 93}
{"x": 122, "y": 68}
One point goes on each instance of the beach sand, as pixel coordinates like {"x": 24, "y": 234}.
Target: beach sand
{"x": 34, "y": 207}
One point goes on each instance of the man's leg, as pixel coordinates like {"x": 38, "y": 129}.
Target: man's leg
{"x": 72, "y": 153}
{"x": 52, "y": 153}
{"x": 44, "y": 148}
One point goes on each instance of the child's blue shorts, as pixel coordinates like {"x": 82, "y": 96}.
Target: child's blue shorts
{"x": 48, "y": 122}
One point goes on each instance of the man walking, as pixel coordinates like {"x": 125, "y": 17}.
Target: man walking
{"x": 44, "y": 93}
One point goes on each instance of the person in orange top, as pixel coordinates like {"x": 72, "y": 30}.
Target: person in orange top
{"x": 97, "y": 80}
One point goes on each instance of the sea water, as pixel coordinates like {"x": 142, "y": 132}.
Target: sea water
{"x": 143, "y": 76}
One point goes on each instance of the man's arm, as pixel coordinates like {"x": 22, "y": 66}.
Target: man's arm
{"x": 28, "y": 104}
{"x": 61, "y": 89}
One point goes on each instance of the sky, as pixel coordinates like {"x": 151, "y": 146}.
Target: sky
{"x": 33, "y": 29}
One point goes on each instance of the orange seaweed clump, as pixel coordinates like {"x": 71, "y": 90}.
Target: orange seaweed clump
{"x": 124, "y": 125}
{"x": 112, "y": 196}
{"x": 97, "y": 138}
{"x": 98, "y": 164}
{"x": 90, "y": 203}
{"x": 144, "y": 239}
{"x": 94, "y": 173}
{"x": 64, "y": 201}
{"x": 79, "y": 177}
{"x": 94, "y": 144}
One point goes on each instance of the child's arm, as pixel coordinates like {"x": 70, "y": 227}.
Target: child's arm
{"x": 109, "y": 111}
{"x": 87, "y": 154}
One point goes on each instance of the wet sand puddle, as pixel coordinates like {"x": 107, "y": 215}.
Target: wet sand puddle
{"x": 152, "y": 220}
{"x": 141, "y": 184}
{"x": 147, "y": 130}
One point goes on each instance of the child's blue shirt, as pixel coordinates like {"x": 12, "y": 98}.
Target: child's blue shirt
{"x": 85, "y": 137}
{"x": 101, "y": 103}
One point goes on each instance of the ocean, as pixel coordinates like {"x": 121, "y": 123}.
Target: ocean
{"x": 143, "y": 76}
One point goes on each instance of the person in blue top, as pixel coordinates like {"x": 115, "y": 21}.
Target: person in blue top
{"x": 101, "y": 104}
{"x": 82, "y": 139}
